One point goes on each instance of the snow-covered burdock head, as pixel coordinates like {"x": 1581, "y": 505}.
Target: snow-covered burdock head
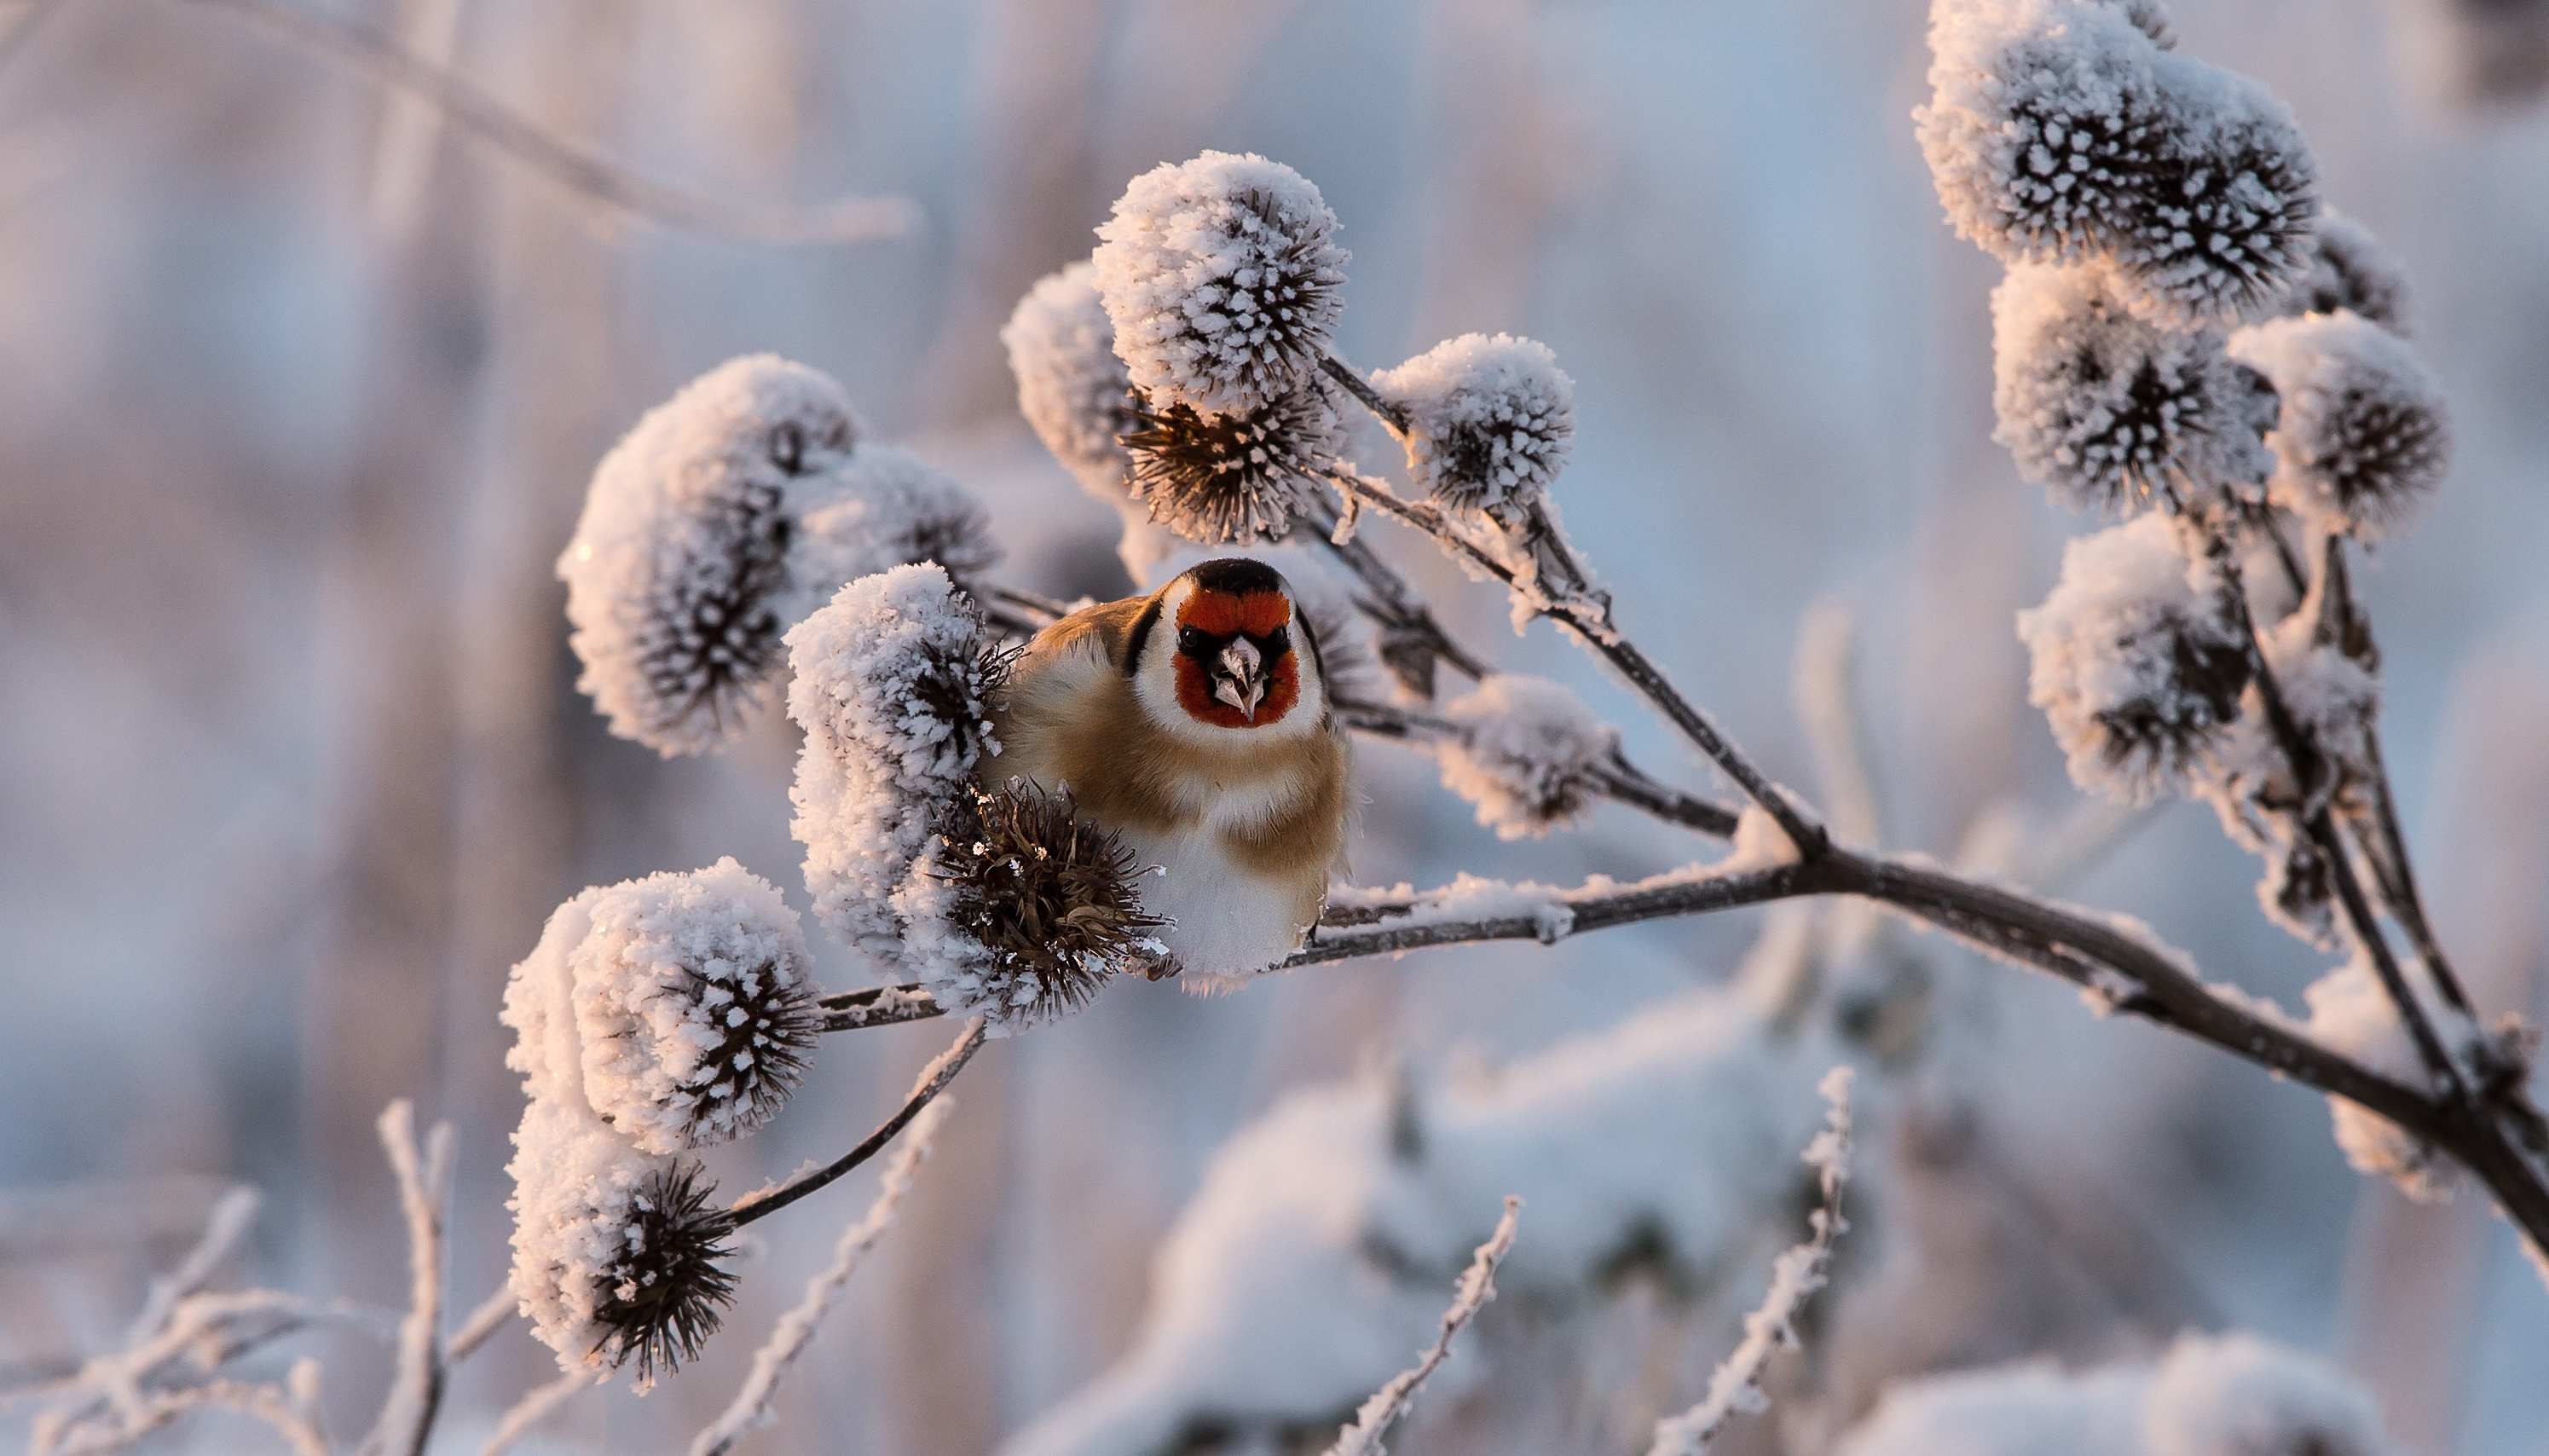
{"x": 2110, "y": 412}
{"x": 2238, "y": 1394}
{"x": 691, "y": 1006}
{"x": 1236, "y": 477}
{"x": 1490, "y": 420}
{"x": 2352, "y": 1015}
{"x": 2131, "y": 661}
{"x": 2349, "y": 270}
{"x": 2363, "y": 436}
{"x": 892, "y": 684}
{"x": 725, "y": 516}
{"x": 1222, "y": 275}
{"x": 1074, "y": 391}
{"x": 1532, "y": 757}
{"x": 2063, "y": 130}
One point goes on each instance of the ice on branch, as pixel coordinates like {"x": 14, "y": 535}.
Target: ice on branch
{"x": 691, "y": 1005}
{"x": 1490, "y": 420}
{"x": 725, "y": 516}
{"x": 1311, "y": 1260}
{"x": 2352, "y": 1013}
{"x": 1223, "y": 278}
{"x": 2058, "y": 130}
{"x": 2349, "y": 270}
{"x": 2364, "y": 436}
{"x": 893, "y": 684}
{"x": 1072, "y": 390}
{"x": 1532, "y": 756}
{"x": 2131, "y": 661}
{"x": 1237, "y": 476}
{"x": 2228, "y": 1394}
{"x": 2110, "y": 411}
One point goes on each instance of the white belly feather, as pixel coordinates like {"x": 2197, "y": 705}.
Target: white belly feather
{"x": 1229, "y": 922}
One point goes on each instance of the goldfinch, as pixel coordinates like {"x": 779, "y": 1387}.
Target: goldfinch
{"x": 1195, "y": 722}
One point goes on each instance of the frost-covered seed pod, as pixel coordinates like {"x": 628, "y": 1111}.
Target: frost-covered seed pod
{"x": 1222, "y": 276}
{"x": 2351, "y": 1013}
{"x": 1533, "y": 758}
{"x": 2236, "y": 1395}
{"x": 2132, "y": 662}
{"x": 2364, "y": 436}
{"x": 2110, "y": 411}
{"x": 1490, "y": 420}
{"x": 1023, "y": 911}
{"x": 2349, "y": 270}
{"x": 2061, "y": 131}
{"x": 882, "y": 509}
{"x": 662, "y": 1289}
{"x": 693, "y": 1012}
{"x": 892, "y": 684}
{"x": 1074, "y": 391}
{"x": 1238, "y": 477}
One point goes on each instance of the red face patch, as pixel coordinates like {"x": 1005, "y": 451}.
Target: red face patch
{"x": 1226, "y": 614}
{"x": 1223, "y": 614}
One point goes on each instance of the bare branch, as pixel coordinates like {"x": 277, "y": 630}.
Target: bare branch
{"x": 536, "y": 1407}
{"x": 1363, "y": 1438}
{"x": 933, "y": 1079}
{"x": 425, "y": 1187}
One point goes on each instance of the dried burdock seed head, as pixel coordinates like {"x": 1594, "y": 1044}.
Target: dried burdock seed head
{"x": 2131, "y": 662}
{"x": 2114, "y": 414}
{"x": 1072, "y": 390}
{"x": 2363, "y": 437}
{"x": 692, "y": 1012}
{"x": 1035, "y": 907}
{"x": 1490, "y": 420}
{"x": 663, "y": 1291}
{"x": 2348, "y": 270}
{"x": 1532, "y": 757}
{"x": 1216, "y": 478}
{"x": 1222, "y": 276}
{"x": 882, "y": 509}
{"x": 893, "y": 685}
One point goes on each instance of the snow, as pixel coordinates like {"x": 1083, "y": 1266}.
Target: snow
{"x": 2364, "y": 436}
{"x": 2350, "y": 1012}
{"x": 1530, "y": 756}
{"x": 1071, "y": 387}
{"x": 2227, "y": 1394}
{"x": 1307, "y": 1263}
{"x": 882, "y": 509}
{"x": 1222, "y": 276}
{"x": 2112, "y": 413}
{"x": 668, "y": 969}
{"x": 2131, "y": 662}
{"x": 2349, "y": 270}
{"x": 1492, "y": 419}
{"x": 889, "y": 688}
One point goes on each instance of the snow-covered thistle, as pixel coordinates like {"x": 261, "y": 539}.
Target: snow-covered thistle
{"x": 1490, "y": 420}
{"x": 2110, "y": 411}
{"x": 2349, "y": 269}
{"x": 725, "y": 516}
{"x": 2061, "y": 131}
{"x": 1236, "y": 476}
{"x": 691, "y": 1005}
{"x": 1223, "y": 277}
{"x": 892, "y": 684}
{"x": 1532, "y": 753}
{"x": 2132, "y": 662}
{"x": 2363, "y": 437}
{"x": 1073, "y": 389}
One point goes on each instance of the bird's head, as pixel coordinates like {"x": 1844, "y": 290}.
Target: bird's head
{"x": 1222, "y": 651}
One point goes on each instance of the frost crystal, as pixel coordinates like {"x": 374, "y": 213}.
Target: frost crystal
{"x": 892, "y": 685}
{"x": 1237, "y": 477}
{"x": 691, "y": 1006}
{"x": 2349, "y": 270}
{"x": 1491, "y": 417}
{"x": 2131, "y": 662}
{"x": 1071, "y": 387}
{"x": 1532, "y": 756}
{"x": 2059, "y": 130}
{"x": 725, "y": 516}
{"x": 2110, "y": 412}
{"x": 2352, "y": 1013}
{"x": 2363, "y": 437}
{"x": 1222, "y": 276}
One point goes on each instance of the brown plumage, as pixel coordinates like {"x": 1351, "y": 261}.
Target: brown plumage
{"x": 1195, "y": 722}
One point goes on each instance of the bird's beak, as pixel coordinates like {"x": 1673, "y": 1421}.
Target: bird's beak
{"x": 1238, "y": 677}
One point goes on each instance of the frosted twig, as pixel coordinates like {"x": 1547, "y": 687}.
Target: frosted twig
{"x": 493, "y": 1314}
{"x": 1363, "y": 1438}
{"x": 1735, "y": 1388}
{"x": 877, "y": 1006}
{"x": 1618, "y": 780}
{"x": 933, "y": 1079}
{"x": 425, "y": 1187}
{"x": 796, "y": 1328}
{"x": 534, "y": 1407}
{"x": 382, "y": 58}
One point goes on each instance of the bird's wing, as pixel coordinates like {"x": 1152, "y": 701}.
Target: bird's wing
{"x": 1051, "y": 685}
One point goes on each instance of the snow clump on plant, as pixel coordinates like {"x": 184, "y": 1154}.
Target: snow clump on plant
{"x": 2364, "y": 436}
{"x": 1490, "y": 420}
{"x": 1532, "y": 756}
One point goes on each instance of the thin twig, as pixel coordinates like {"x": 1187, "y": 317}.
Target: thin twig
{"x": 933, "y": 1079}
{"x": 877, "y": 1006}
{"x": 424, "y": 1185}
{"x": 380, "y": 56}
{"x": 1362, "y": 1436}
{"x": 493, "y": 1314}
{"x": 536, "y": 1407}
{"x": 1617, "y": 779}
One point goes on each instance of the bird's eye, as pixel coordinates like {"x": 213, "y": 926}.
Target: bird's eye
{"x": 1278, "y": 642}
{"x": 788, "y": 447}
{"x": 1193, "y": 643}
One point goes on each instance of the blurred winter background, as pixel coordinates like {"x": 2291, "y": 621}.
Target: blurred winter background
{"x": 304, "y": 391}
